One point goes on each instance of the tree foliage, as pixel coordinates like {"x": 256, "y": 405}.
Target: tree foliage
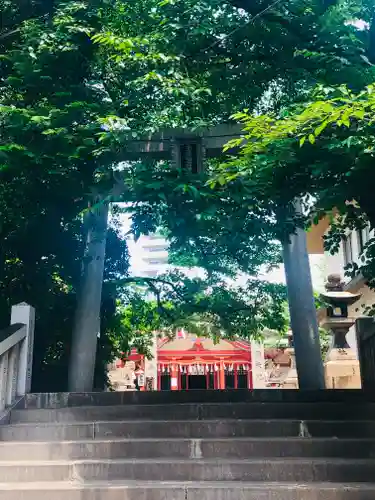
{"x": 200, "y": 222}
{"x": 322, "y": 151}
{"x": 48, "y": 126}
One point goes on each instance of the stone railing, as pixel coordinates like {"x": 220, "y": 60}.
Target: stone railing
{"x": 365, "y": 329}
{"x": 16, "y": 355}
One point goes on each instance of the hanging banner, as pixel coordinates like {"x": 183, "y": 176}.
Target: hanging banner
{"x": 141, "y": 379}
{"x": 258, "y": 365}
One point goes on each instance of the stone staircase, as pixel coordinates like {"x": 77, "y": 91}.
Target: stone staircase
{"x": 240, "y": 445}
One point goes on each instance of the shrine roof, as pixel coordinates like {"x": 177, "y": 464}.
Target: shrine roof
{"x": 189, "y": 342}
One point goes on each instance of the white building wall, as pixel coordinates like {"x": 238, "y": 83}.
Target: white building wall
{"x": 318, "y": 268}
{"x": 152, "y": 254}
{"x": 334, "y": 264}
{"x": 349, "y": 252}
{"x": 148, "y": 256}
{"x": 357, "y": 310}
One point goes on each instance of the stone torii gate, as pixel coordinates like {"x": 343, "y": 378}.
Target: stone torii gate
{"x": 184, "y": 147}
{"x": 188, "y": 149}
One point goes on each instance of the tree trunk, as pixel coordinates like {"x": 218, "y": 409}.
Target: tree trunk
{"x": 371, "y": 40}
{"x": 87, "y": 318}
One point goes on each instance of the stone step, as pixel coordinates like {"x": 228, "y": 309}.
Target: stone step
{"x": 62, "y": 400}
{"x": 186, "y": 491}
{"x": 303, "y": 411}
{"x": 187, "y": 448}
{"x": 299, "y": 470}
{"x": 194, "y": 429}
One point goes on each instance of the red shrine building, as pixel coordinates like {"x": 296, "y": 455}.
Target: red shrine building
{"x": 189, "y": 362}
{"x": 196, "y": 363}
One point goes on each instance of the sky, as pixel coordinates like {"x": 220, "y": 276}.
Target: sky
{"x": 317, "y": 263}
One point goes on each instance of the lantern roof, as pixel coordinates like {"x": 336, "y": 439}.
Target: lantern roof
{"x": 343, "y": 297}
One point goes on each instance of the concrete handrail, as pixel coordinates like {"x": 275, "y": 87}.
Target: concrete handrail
{"x": 16, "y": 355}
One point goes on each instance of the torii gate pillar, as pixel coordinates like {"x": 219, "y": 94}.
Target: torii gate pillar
{"x": 302, "y": 310}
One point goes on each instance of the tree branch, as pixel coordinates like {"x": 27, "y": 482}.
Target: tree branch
{"x": 161, "y": 307}
{"x": 9, "y": 33}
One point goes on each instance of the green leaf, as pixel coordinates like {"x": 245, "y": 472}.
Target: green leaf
{"x": 320, "y": 128}
{"x": 360, "y": 113}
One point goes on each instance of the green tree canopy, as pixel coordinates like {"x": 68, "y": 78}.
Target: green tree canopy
{"x": 79, "y": 80}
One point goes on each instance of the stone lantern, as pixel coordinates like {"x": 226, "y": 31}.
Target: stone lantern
{"x": 341, "y": 366}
